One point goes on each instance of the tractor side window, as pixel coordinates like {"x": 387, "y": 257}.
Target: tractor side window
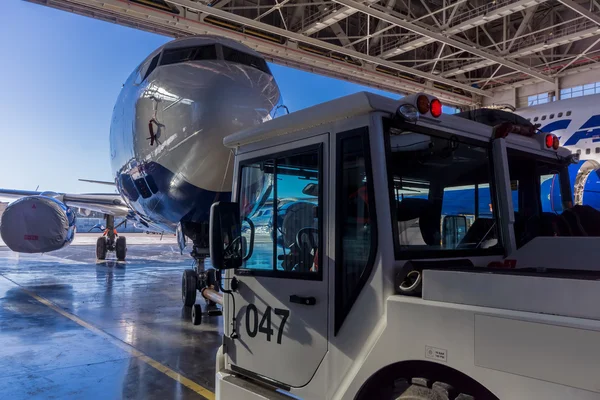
{"x": 282, "y": 198}
{"x": 355, "y": 216}
{"x": 297, "y": 213}
{"x": 441, "y": 200}
{"x": 256, "y": 197}
{"x": 538, "y": 200}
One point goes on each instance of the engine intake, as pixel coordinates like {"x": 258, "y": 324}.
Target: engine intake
{"x": 37, "y": 224}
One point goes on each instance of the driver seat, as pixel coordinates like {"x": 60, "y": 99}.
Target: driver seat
{"x": 477, "y": 232}
{"x": 299, "y": 215}
{"x": 428, "y": 215}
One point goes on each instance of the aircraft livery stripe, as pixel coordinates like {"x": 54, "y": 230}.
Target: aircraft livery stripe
{"x": 204, "y": 392}
{"x": 556, "y": 125}
{"x": 592, "y": 122}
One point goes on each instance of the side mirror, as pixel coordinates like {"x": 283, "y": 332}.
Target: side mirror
{"x": 454, "y": 229}
{"x": 312, "y": 189}
{"x": 226, "y": 241}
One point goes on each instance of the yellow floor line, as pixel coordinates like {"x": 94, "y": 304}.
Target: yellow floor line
{"x": 128, "y": 348}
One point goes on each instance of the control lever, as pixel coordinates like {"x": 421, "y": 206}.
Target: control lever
{"x": 307, "y": 301}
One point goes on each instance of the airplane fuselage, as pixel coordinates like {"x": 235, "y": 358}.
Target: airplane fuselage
{"x": 576, "y": 122}
{"x": 169, "y": 121}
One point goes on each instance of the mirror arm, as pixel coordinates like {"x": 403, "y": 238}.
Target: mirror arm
{"x": 251, "y": 246}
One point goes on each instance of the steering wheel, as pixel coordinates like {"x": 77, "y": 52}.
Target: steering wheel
{"x": 306, "y": 246}
{"x": 296, "y": 216}
{"x": 311, "y": 233}
{"x": 232, "y": 247}
{"x": 482, "y": 240}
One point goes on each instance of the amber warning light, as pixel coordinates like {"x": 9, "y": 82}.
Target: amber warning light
{"x": 422, "y": 104}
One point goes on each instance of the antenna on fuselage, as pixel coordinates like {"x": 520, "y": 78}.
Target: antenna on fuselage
{"x": 282, "y": 106}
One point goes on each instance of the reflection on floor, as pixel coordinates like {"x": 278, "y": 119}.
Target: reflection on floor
{"x": 117, "y": 327}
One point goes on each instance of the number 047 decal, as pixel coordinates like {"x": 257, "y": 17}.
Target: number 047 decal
{"x": 253, "y": 327}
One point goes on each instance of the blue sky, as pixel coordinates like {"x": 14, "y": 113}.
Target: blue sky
{"x": 61, "y": 74}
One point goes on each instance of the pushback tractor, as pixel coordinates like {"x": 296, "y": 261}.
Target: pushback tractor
{"x": 379, "y": 249}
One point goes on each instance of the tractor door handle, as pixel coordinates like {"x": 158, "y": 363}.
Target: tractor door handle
{"x": 307, "y": 301}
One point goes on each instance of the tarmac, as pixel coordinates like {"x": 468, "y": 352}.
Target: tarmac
{"x": 75, "y": 328}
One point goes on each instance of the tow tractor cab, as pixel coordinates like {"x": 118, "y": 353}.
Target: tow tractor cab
{"x": 407, "y": 254}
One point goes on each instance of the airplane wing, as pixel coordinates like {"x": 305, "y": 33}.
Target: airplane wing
{"x": 107, "y": 203}
{"x": 98, "y": 182}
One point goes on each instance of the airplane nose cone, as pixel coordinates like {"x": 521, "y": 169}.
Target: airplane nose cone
{"x": 197, "y": 105}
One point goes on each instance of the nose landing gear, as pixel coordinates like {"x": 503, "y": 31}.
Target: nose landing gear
{"x": 198, "y": 279}
{"x": 111, "y": 241}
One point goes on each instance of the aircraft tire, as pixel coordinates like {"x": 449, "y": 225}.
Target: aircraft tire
{"x": 420, "y": 390}
{"x": 101, "y": 248}
{"x": 188, "y": 287}
{"x": 121, "y": 248}
{"x": 196, "y": 314}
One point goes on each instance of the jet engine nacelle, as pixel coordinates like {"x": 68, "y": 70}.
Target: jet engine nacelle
{"x": 37, "y": 224}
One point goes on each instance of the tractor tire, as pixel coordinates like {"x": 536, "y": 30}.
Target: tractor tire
{"x": 101, "y": 248}
{"x": 188, "y": 287}
{"x": 121, "y": 248}
{"x": 419, "y": 389}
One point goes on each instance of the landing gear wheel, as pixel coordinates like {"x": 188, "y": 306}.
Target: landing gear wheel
{"x": 196, "y": 314}
{"x": 188, "y": 287}
{"x": 420, "y": 390}
{"x": 101, "y": 248}
{"x": 121, "y": 248}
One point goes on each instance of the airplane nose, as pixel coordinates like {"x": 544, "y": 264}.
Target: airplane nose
{"x": 199, "y": 111}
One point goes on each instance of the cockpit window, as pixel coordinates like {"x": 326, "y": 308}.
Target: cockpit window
{"x": 182, "y": 54}
{"x": 151, "y": 67}
{"x": 240, "y": 57}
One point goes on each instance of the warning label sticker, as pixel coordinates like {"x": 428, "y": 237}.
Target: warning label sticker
{"x": 436, "y": 354}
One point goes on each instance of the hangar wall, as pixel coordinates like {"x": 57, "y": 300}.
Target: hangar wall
{"x": 517, "y": 96}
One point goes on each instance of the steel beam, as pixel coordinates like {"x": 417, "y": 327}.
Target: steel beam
{"x": 380, "y": 25}
{"x": 583, "y": 53}
{"x": 581, "y": 10}
{"x": 323, "y": 45}
{"x": 443, "y": 39}
{"x": 524, "y": 24}
{"x": 557, "y": 41}
{"x": 331, "y": 18}
{"x": 287, "y": 53}
{"x": 477, "y": 20}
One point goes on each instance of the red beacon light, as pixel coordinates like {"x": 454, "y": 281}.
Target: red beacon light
{"x": 552, "y": 141}
{"x": 435, "y": 107}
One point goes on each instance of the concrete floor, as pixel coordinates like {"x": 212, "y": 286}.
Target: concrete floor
{"x": 74, "y": 328}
